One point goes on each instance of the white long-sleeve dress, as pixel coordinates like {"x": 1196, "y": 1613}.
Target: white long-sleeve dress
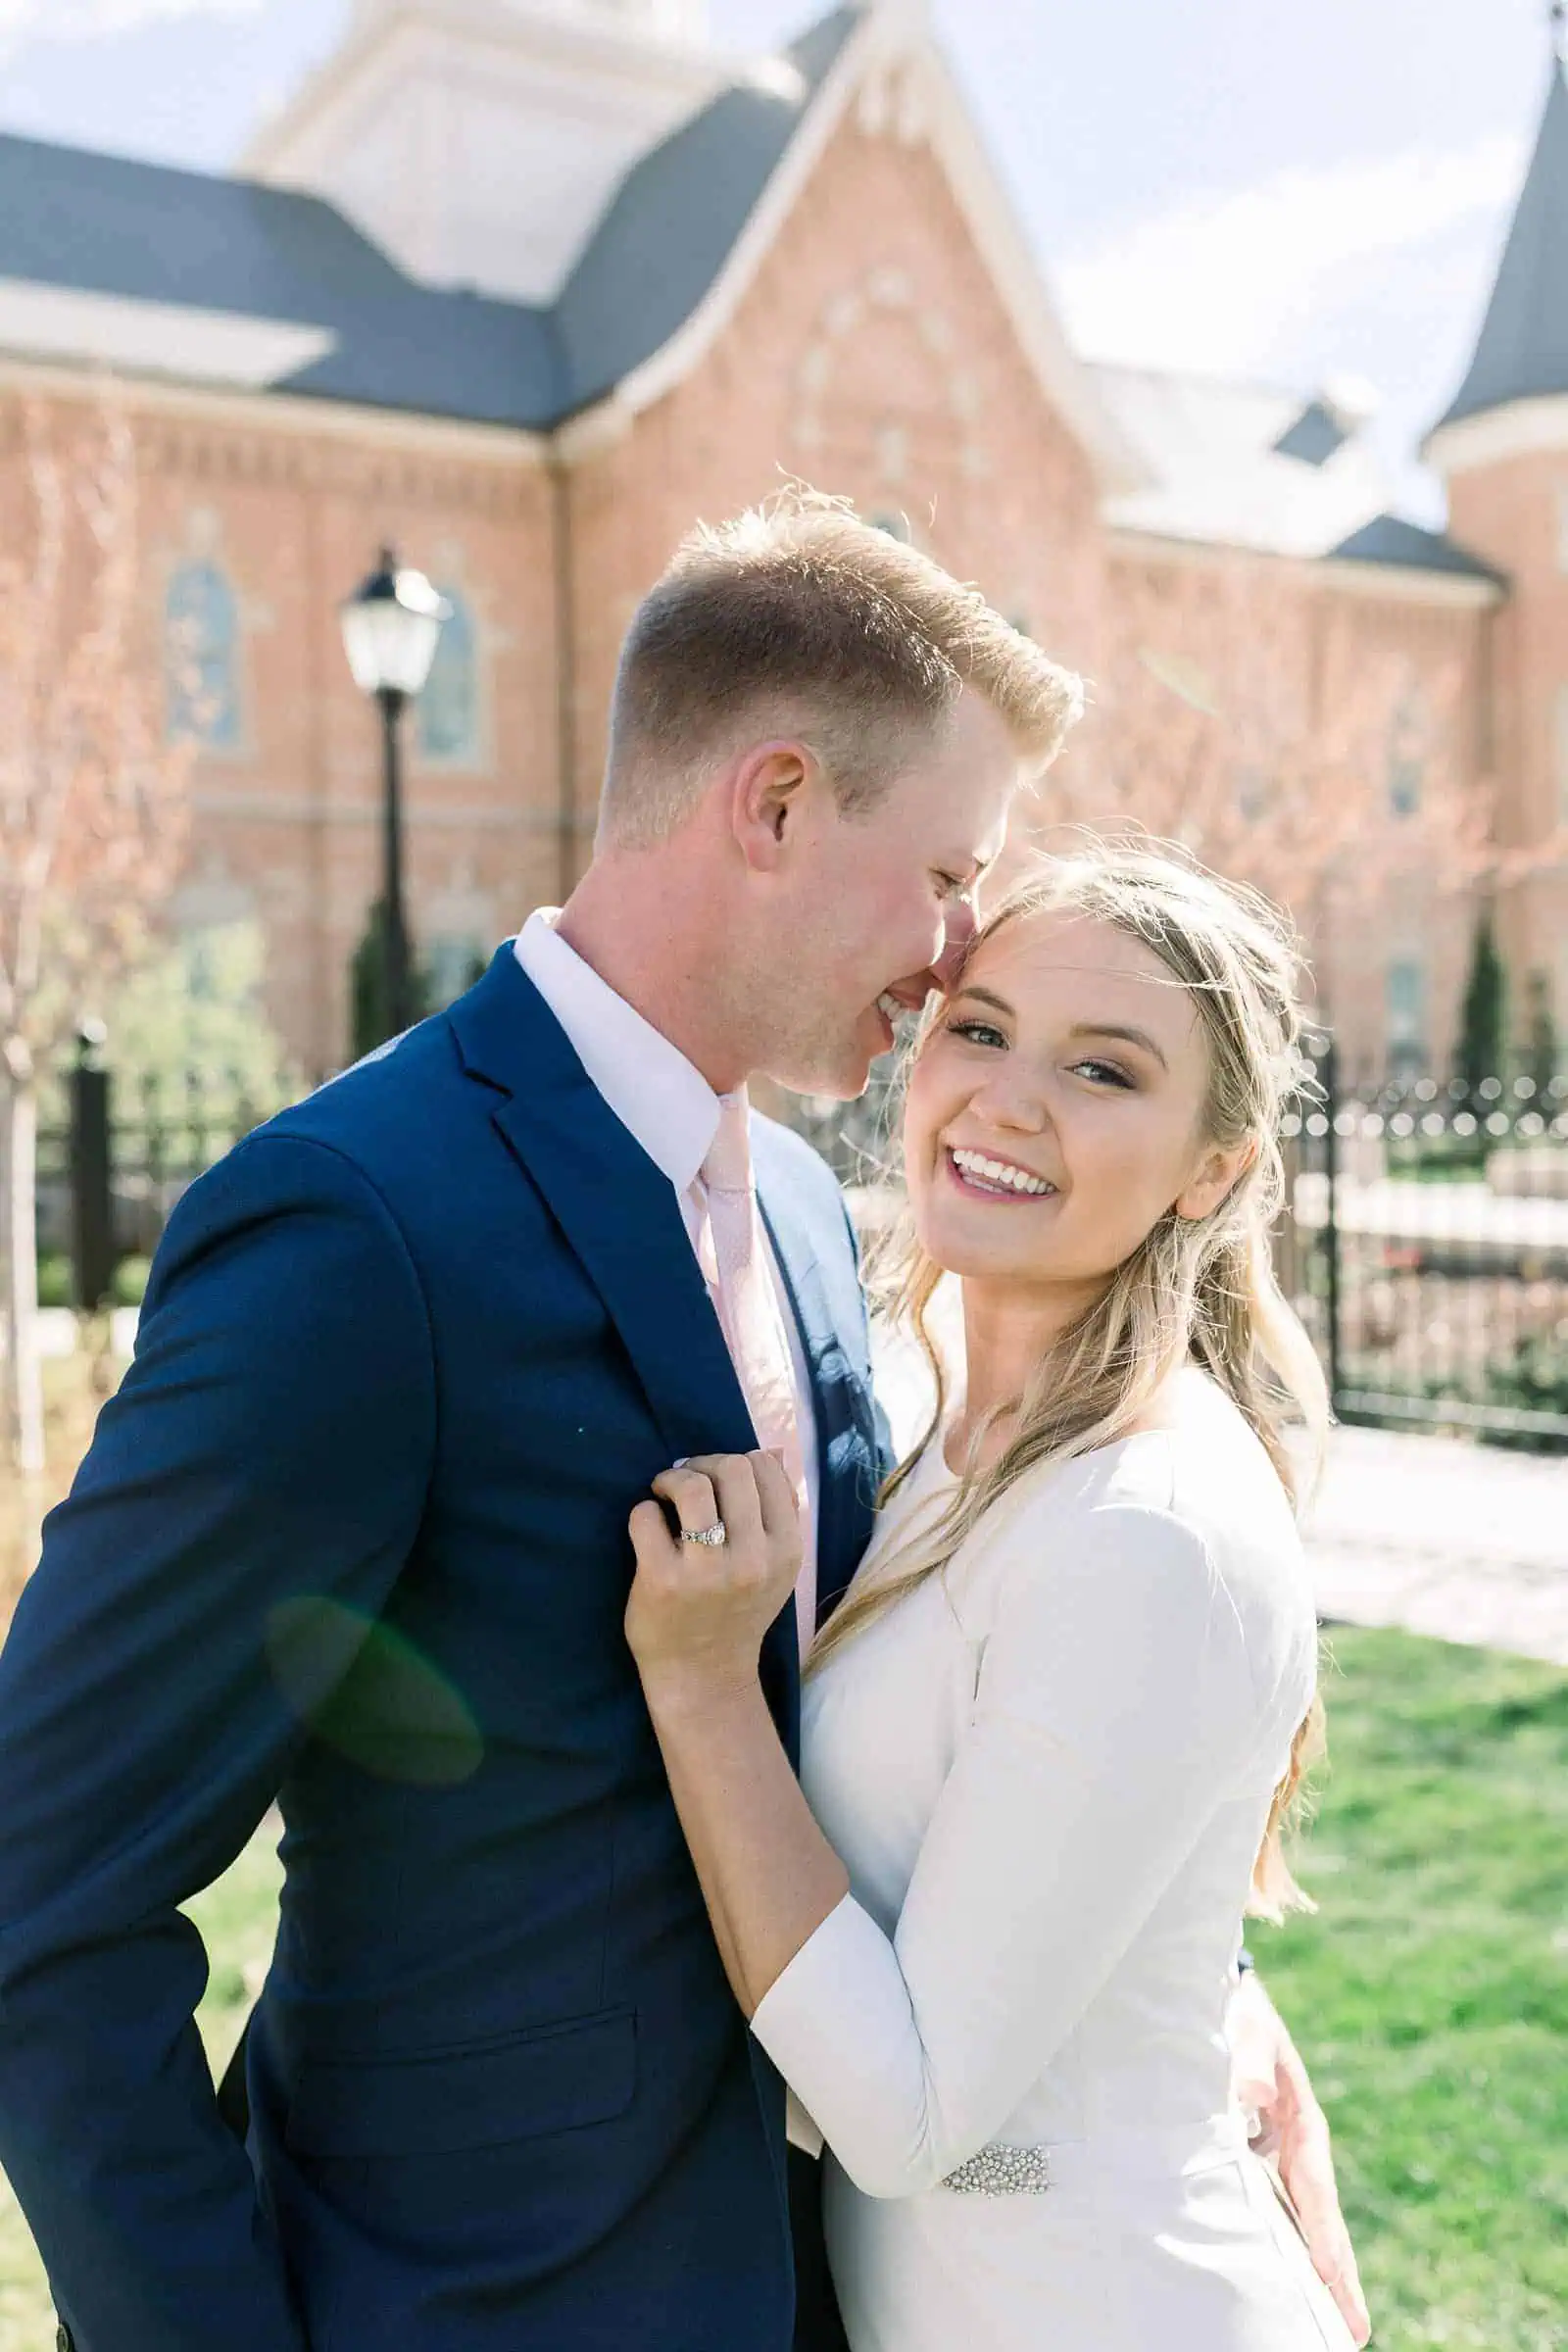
{"x": 1048, "y": 1771}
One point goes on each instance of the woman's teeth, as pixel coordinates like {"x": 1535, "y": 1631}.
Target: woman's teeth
{"x": 999, "y": 1174}
{"x": 888, "y": 1004}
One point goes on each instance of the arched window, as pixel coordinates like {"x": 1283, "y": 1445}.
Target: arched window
{"x": 449, "y": 707}
{"x": 201, "y": 654}
{"x": 1407, "y": 755}
{"x": 1404, "y": 1011}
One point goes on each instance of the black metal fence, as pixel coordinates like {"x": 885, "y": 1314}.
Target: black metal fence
{"x": 115, "y": 1160}
{"x": 1427, "y": 1249}
{"x": 1426, "y": 1246}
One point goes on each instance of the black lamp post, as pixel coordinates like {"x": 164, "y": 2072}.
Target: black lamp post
{"x": 391, "y": 626}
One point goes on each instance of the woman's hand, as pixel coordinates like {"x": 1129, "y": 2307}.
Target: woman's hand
{"x": 697, "y": 1612}
{"x": 1267, "y": 2076}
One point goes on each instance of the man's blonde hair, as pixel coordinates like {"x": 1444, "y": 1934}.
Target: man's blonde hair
{"x": 798, "y": 617}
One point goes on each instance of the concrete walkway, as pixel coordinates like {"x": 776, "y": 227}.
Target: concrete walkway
{"x": 1442, "y": 1537}
{"x": 1438, "y": 1534}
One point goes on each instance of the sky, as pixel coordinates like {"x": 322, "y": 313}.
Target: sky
{"x": 1241, "y": 187}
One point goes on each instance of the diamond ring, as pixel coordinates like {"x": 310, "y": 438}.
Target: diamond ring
{"x": 714, "y": 1534}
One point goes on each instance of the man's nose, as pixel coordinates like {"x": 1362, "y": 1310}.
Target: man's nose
{"x": 958, "y": 927}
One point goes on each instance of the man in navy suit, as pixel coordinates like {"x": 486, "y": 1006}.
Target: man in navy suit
{"x": 352, "y": 1537}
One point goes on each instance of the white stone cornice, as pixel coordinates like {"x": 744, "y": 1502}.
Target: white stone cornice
{"x": 1385, "y": 583}
{"x": 155, "y": 338}
{"x": 1407, "y": 584}
{"x": 592, "y": 430}
{"x": 292, "y": 415}
{"x": 1522, "y": 428}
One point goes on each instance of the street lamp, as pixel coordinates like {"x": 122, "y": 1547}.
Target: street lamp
{"x": 391, "y": 626}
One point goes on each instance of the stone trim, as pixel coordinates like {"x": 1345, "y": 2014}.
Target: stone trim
{"x": 1523, "y": 428}
{"x": 368, "y": 432}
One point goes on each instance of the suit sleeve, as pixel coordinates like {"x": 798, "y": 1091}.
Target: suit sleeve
{"x": 1114, "y": 1709}
{"x": 270, "y": 1444}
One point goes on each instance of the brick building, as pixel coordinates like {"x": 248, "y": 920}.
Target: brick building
{"x": 524, "y": 285}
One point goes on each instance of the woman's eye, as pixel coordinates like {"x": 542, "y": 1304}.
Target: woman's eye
{"x": 978, "y": 1033}
{"x": 1105, "y": 1073}
{"x": 948, "y": 886}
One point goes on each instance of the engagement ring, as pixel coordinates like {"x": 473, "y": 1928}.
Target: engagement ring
{"x": 704, "y": 1535}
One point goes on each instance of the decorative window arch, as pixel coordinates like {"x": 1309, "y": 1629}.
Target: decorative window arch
{"x": 202, "y": 656}
{"x": 448, "y": 709}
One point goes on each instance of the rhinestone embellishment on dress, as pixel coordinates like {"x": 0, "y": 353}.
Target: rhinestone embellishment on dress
{"x": 998, "y": 2172}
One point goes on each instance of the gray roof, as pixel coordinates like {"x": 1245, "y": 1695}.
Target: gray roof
{"x": 1315, "y": 436}
{"x": 1523, "y": 349}
{"x": 672, "y": 223}
{"x": 103, "y": 224}
{"x": 1390, "y": 539}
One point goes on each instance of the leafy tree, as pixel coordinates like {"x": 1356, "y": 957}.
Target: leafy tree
{"x": 1481, "y": 1051}
{"x": 196, "y": 1012}
{"x": 1540, "y": 1053}
{"x": 370, "y": 1021}
{"x": 94, "y": 811}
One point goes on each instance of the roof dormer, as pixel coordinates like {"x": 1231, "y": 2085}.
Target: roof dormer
{"x": 479, "y": 142}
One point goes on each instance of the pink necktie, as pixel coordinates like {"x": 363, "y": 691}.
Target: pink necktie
{"x": 748, "y": 1312}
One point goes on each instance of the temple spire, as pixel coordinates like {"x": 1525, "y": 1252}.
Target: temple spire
{"x": 1522, "y": 352}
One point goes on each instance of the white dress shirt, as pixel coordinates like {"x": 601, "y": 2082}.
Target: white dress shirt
{"x": 667, "y": 1107}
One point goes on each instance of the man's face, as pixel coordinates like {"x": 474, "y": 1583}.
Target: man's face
{"x": 881, "y": 907}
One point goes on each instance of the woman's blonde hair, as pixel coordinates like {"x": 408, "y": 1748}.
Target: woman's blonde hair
{"x": 1194, "y": 1290}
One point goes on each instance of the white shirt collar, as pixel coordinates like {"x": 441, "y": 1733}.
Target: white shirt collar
{"x": 665, "y": 1104}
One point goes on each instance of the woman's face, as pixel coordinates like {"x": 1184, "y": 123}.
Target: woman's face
{"x": 1055, "y": 1113}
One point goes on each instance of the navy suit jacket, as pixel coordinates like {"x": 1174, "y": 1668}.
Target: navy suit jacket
{"x": 352, "y": 1536}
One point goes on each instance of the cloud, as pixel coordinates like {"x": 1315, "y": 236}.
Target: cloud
{"x": 83, "y": 20}
{"x": 1234, "y": 284}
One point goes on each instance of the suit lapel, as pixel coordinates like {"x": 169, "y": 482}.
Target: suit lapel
{"x": 620, "y": 1218}
{"x": 843, "y": 1525}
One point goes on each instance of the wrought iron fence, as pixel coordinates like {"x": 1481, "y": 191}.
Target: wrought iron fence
{"x": 1425, "y": 1246}
{"x": 1427, "y": 1249}
{"x": 116, "y": 1157}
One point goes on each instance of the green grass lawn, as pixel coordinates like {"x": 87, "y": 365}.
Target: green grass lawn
{"x": 1429, "y": 1994}
{"x": 238, "y": 1918}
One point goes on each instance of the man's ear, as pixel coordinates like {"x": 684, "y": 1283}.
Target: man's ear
{"x": 1217, "y": 1174}
{"x": 768, "y": 786}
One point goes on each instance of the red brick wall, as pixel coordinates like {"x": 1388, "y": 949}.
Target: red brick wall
{"x": 871, "y": 356}
{"x": 286, "y": 822}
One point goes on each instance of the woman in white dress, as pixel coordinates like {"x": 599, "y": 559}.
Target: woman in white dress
{"x": 1050, "y": 1733}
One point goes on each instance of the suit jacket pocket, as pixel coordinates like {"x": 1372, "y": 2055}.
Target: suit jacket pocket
{"x": 485, "y": 2094}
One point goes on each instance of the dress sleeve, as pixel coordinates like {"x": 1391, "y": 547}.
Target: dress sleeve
{"x": 1113, "y": 1709}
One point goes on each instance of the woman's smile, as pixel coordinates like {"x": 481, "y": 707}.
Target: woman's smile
{"x": 984, "y": 1176}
